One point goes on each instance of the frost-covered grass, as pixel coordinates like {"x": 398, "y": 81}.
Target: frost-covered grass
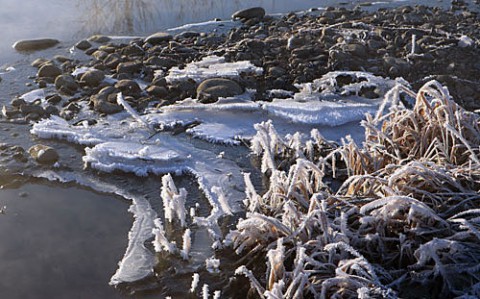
{"x": 406, "y": 214}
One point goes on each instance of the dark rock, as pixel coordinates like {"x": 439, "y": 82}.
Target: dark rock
{"x": 249, "y": 13}
{"x": 276, "y": 71}
{"x": 159, "y": 81}
{"x": 109, "y": 48}
{"x": 32, "y": 116}
{"x": 158, "y": 38}
{"x": 34, "y": 44}
{"x": 112, "y": 60}
{"x": 128, "y": 87}
{"x": 39, "y": 62}
{"x": 92, "y": 78}
{"x": 49, "y": 71}
{"x": 62, "y": 59}
{"x": 90, "y": 51}
{"x": 99, "y": 54}
{"x": 157, "y": 91}
{"x": 99, "y": 39}
{"x": 29, "y": 108}
{"x": 186, "y": 34}
{"x": 107, "y": 107}
{"x": 17, "y": 102}
{"x": 358, "y": 50}
{"x": 42, "y": 83}
{"x": 66, "y": 82}
{"x": 129, "y": 67}
{"x": 83, "y": 45}
{"x": 51, "y": 110}
{"x": 10, "y": 112}
{"x": 132, "y": 50}
{"x": 211, "y": 89}
{"x": 43, "y": 154}
{"x": 53, "y": 99}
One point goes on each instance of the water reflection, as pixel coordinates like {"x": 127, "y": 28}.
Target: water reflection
{"x": 141, "y": 16}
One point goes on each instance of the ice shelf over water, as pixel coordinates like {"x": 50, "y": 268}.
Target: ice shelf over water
{"x": 333, "y": 104}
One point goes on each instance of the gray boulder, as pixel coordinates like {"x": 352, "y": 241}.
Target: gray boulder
{"x": 158, "y": 38}
{"x": 249, "y": 13}
{"x": 92, "y": 78}
{"x": 34, "y": 44}
{"x": 211, "y": 89}
{"x": 49, "y": 71}
{"x": 43, "y": 154}
{"x": 66, "y": 82}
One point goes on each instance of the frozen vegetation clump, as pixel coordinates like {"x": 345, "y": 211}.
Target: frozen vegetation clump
{"x": 354, "y": 219}
{"x": 405, "y": 216}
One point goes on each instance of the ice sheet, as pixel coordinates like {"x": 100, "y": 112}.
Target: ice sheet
{"x": 120, "y": 143}
{"x": 209, "y": 67}
{"x": 325, "y": 104}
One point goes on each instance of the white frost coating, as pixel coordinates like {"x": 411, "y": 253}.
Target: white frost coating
{"x": 205, "y": 294}
{"x": 81, "y": 70}
{"x": 161, "y": 242}
{"x": 129, "y": 157}
{"x": 211, "y": 66}
{"x": 465, "y": 41}
{"x": 33, "y": 95}
{"x": 137, "y": 262}
{"x": 325, "y": 103}
{"x": 195, "y": 281}
{"x": 132, "y": 111}
{"x": 187, "y": 244}
{"x": 320, "y": 113}
{"x": 173, "y": 200}
{"x": 120, "y": 144}
{"x": 219, "y": 27}
{"x": 212, "y": 264}
{"x": 223, "y": 203}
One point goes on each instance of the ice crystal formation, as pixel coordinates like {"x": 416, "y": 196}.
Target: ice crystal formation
{"x": 404, "y": 214}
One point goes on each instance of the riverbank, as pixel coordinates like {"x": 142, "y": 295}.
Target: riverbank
{"x": 265, "y": 65}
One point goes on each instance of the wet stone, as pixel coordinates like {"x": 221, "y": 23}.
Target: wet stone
{"x": 39, "y": 62}
{"x": 53, "y": 99}
{"x": 49, "y": 71}
{"x": 43, "y": 154}
{"x": 157, "y": 91}
{"x": 66, "y": 82}
{"x": 10, "y": 112}
{"x": 35, "y": 44}
{"x": 128, "y": 87}
{"x": 99, "y": 39}
{"x": 112, "y": 60}
{"x": 92, "y": 78}
{"x": 83, "y": 45}
{"x": 129, "y": 67}
{"x": 17, "y": 102}
{"x": 211, "y": 89}
{"x": 249, "y": 13}
{"x": 158, "y": 38}
{"x": 29, "y": 108}
{"x": 106, "y": 107}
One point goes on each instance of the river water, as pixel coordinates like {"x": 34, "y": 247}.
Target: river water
{"x": 65, "y": 241}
